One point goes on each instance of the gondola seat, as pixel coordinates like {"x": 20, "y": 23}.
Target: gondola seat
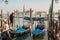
{"x": 25, "y": 26}
{"x": 40, "y": 26}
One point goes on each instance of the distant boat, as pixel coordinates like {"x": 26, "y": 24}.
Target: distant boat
{"x": 27, "y": 18}
{"x": 39, "y": 19}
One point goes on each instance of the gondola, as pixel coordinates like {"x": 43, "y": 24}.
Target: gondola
{"x": 39, "y": 19}
{"x": 39, "y": 29}
{"x": 20, "y": 31}
{"x": 27, "y": 18}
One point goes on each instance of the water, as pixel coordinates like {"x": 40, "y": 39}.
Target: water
{"x": 0, "y": 35}
{"x": 19, "y": 22}
{"x": 24, "y": 37}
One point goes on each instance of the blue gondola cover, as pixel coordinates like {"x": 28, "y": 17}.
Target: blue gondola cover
{"x": 21, "y": 30}
{"x": 37, "y": 31}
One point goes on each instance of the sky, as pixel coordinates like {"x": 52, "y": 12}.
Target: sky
{"x": 36, "y": 5}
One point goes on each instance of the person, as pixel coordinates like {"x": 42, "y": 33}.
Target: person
{"x": 11, "y": 18}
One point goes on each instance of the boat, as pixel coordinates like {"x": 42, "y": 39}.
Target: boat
{"x": 18, "y": 32}
{"x": 38, "y": 30}
{"x": 39, "y": 19}
{"x": 21, "y": 30}
{"x": 27, "y": 18}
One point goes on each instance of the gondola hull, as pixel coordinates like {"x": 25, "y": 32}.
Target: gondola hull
{"x": 37, "y": 32}
{"x": 20, "y": 31}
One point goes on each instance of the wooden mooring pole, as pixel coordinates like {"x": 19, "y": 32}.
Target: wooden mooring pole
{"x": 23, "y": 14}
{"x": 1, "y": 25}
{"x": 50, "y": 21}
{"x": 31, "y": 23}
{"x": 1, "y": 16}
{"x": 59, "y": 18}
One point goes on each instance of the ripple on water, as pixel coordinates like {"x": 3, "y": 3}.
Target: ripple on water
{"x": 24, "y": 37}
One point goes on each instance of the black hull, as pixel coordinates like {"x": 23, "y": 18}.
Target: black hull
{"x": 18, "y": 34}
{"x": 39, "y": 35}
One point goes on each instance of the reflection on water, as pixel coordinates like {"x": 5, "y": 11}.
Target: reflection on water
{"x": 24, "y": 37}
{"x": 40, "y": 37}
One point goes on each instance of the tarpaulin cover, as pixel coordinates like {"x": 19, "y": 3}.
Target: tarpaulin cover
{"x": 37, "y": 31}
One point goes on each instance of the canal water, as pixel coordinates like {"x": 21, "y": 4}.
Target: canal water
{"x": 19, "y": 22}
{"x": 24, "y": 37}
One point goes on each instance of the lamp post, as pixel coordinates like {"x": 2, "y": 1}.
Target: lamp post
{"x": 5, "y": 1}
